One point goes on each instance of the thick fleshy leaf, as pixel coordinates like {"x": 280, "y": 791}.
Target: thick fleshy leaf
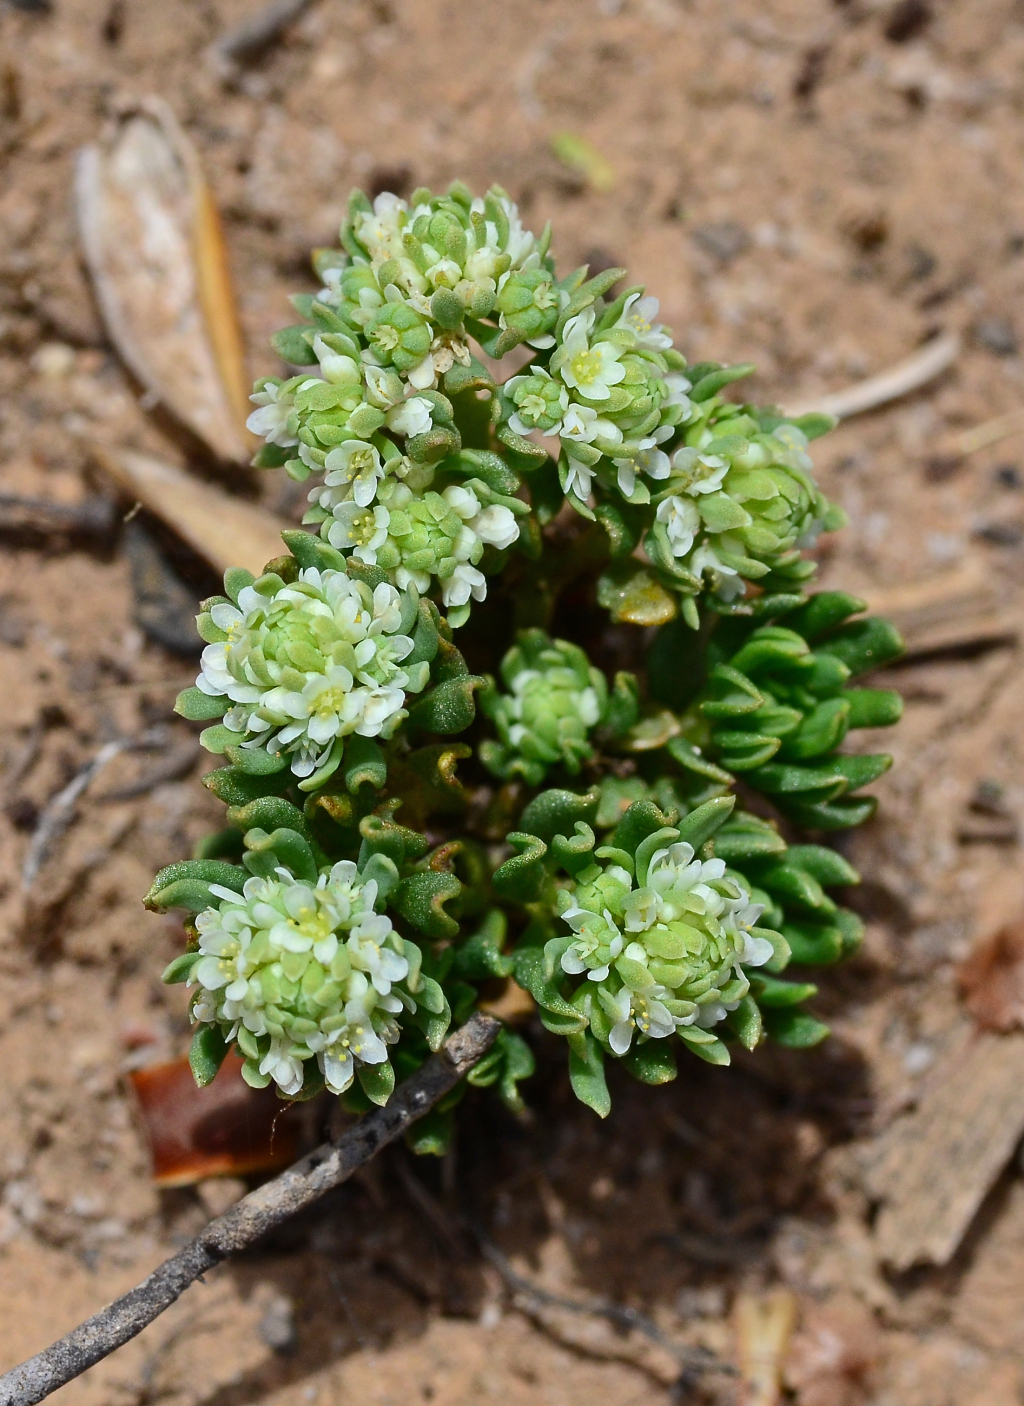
{"x": 420, "y": 899}
{"x": 199, "y": 707}
{"x": 556, "y": 812}
{"x": 795, "y": 1029}
{"x": 206, "y": 1054}
{"x": 586, "y": 1074}
{"x": 523, "y": 878}
{"x": 653, "y": 1062}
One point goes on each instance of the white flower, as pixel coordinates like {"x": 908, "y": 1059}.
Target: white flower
{"x": 638, "y": 316}
{"x": 496, "y": 525}
{"x": 649, "y": 460}
{"x": 380, "y": 233}
{"x": 423, "y": 375}
{"x": 365, "y": 529}
{"x": 579, "y": 480}
{"x": 581, "y": 422}
{"x": 682, "y": 520}
{"x": 702, "y": 472}
{"x": 727, "y": 581}
{"x": 337, "y": 368}
{"x": 411, "y": 417}
{"x": 677, "y": 395}
{"x": 383, "y": 385}
{"x": 589, "y": 369}
{"x": 270, "y": 421}
{"x": 295, "y": 969}
{"x": 464, "y": 582}
{"x": 355, "y": 465}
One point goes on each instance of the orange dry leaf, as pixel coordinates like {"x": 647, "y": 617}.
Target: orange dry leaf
{"x": 226, "y": 1129}
{"x": 992, "y": 980}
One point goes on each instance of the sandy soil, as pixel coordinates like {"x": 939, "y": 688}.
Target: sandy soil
{"x": 813, "y": 186}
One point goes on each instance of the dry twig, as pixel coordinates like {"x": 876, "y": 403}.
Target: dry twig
{"x": 906, "y": 376}
{"x": 452, "y": 1232}
{"x": 529, "y": 1297}
{"x": 60, "y": 812}
{"x": 263, "y": 1209}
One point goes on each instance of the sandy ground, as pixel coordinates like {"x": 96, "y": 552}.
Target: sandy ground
{"x": 813, "y": 186}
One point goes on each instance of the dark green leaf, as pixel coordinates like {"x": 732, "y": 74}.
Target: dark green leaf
{"x": 199, "y": 707}
{"x": 586, "y": 1074}
{"x": 206, "y": 1054}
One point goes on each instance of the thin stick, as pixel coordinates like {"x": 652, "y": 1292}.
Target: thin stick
{"x": 263, "y": 1209}
{"x": 699, "y": 1359}
{"x": 906, "y": 376}
{"x": 58, "y": 815}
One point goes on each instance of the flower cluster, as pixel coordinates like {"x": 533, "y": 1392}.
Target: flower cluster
{"x": 391, "y": 323}
{"x": 738, "y": 501}
{"x": 296, "y": 971}
{"x": 429, "y": 473}
{"x": 555, "y": 697}
{"x": 417, "y": 537}
{"x": 611, "y": 390}
{"x": 666, "y": 956}
{"x": 303, "y": 664}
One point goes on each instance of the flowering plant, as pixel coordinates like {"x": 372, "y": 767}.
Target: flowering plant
{"x": 396, "y": 855}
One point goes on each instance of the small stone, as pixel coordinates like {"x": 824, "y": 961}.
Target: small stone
{"x": 724, "y": 240}
{"x": 277, "y": 1326}
{"x": 997, "y": 335}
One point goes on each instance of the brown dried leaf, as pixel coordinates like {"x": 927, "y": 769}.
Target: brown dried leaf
{"x": 154, "y": 247}
{"x": 991, "y": 980}
{"x": 226, "y": 531}
{"x": 226, "y": 1129}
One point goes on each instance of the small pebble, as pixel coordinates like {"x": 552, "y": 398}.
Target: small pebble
{"x": 997, "y": 335}
{"x": 724, "y": 240}
{"x": 277, "y": 1326}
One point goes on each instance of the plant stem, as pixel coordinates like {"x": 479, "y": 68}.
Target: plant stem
{"x": 263, "y": 1209}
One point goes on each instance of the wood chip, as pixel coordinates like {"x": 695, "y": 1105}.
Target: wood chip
{"x": 955, "y": 609}
{"x": 906, "y": 376}
{"x": 225, "y": 531}
{"x": 933, "y": 1168}
{"x": 153, "y": 244}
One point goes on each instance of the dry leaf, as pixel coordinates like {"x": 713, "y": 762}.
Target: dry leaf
{"x": 991, "y": 980}
{"x": 155, "y": 250}
{"x": 226, "y": 1129}
{"x": 224, "y": 530}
